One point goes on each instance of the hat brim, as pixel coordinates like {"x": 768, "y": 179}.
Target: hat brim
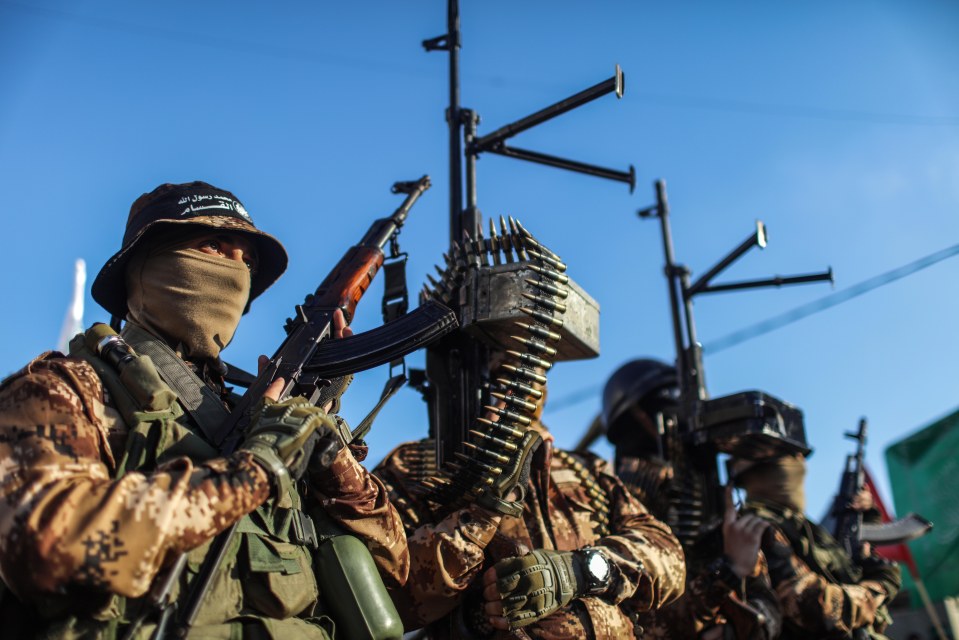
{"x": 110, "y": 290}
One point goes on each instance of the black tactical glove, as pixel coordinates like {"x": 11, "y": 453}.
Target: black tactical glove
{"x": 537, "y": 584}
{"x": 512, "y": 480}
{"x": 280, "y": 430}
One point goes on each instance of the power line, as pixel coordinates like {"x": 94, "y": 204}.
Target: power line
{"x": 826, "y": 302}
{"x": 777, "y": 322}
{"x": 703, "y": 103}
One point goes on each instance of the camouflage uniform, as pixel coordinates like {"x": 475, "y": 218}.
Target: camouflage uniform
{"x": 107, "y": 476}
{"x": 823, "y": 594}
{"x": 74, "y": 536}
{"x": 449, "y": 553}
{"x": 714, "y": 595}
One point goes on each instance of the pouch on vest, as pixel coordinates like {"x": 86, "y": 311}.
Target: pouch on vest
{"x": 280, "y": 582}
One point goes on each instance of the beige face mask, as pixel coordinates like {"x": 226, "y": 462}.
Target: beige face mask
{"x": 192, "y": 299}
{"x": 779, "y": 481}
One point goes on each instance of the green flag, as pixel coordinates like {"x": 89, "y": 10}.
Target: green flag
{"x": 924, "y": 472}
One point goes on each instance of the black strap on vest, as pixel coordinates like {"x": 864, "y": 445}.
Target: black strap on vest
{"x": 200, "y": 401}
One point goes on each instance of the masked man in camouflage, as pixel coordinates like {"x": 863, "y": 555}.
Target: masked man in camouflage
{"x": 107, "y": 474}
{"x": 580, "y": 559}
{"x": 822, "y": 591}
{"x": 728, "y": 592}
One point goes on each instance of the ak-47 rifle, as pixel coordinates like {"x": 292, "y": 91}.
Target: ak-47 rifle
{"x": 846, "y": 524}
{"x": 307, "y": 360}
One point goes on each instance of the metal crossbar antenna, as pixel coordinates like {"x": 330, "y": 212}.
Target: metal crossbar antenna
{"x": 462, "y": 123}
{"x": 616, "y": 84}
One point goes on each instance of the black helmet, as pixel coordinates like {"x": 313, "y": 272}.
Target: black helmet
{"x": 645, "y": 385}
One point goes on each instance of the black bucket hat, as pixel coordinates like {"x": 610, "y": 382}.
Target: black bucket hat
{"x": 195, "y": 204}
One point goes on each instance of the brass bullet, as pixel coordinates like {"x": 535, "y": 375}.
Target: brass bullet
{"x": 541, "y": 332}
{"x": 558, "y": 266}
{"x": 521, "y": 388}
{"x": 549, "y": 303}
{"x": 549, "y": 287}
{"x": 548, "y": 320}
{"x": 531, "y": 360}
{"x": 515, "y": 401}
{"x": 525, "y": 373}
{"x": 498, "y": 442}
{"x": 509, "y": 415}
{"x": 504, "y": 428}
{"x": 548, "y": 273}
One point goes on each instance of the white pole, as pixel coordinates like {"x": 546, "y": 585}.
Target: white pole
{"x": 73, "y": 321}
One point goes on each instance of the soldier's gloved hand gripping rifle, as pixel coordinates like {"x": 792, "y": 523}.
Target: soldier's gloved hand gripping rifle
{"x": 307, "y": 361}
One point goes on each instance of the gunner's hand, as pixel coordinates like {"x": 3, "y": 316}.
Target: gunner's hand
{"x": 279, "y": 432}
{"x": 521, "y": 590}
{"x": 862, "y": 501}
{"x": 742, "y": 536}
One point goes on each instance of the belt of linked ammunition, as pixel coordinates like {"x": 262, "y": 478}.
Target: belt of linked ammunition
{"x": 519, "y": 380}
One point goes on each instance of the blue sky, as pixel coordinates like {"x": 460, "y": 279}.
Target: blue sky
{"x": 837, "y": 124}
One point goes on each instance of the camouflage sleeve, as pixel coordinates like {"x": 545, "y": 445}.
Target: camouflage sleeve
{"x": 445, "y": 556}
{"x": 358, "y": 502}
{"x": 649, "y": 569}
{"x": 748, "y": 605}
{"x": 813, "y": 603}
{"x": 66, "y": 522}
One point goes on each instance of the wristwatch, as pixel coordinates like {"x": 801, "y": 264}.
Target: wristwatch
{"x": 596, "y": 570}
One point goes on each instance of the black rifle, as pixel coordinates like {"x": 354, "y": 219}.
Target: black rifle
{"x": 847, "y": 527}
{"x": 306, "y": 361}
{"x": 846, "y": 524}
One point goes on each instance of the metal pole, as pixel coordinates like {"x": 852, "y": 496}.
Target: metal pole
{"x": 470, "y": 218}
{"x": 662, "y": 212}
{"x": 454, "y": 120}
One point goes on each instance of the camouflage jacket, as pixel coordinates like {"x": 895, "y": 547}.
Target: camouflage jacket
{"x": 713, "y": 597}
{"x": 823, "y": 594}
{"x": 450, "y": 551}
{"x": 74, "y": 535}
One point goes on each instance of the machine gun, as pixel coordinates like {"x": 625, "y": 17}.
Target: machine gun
{"x": 511, "y": 296}
{"x": 307, "y": 361}
{"x": 846, "y": 524}
{"x": 751, "y": 424}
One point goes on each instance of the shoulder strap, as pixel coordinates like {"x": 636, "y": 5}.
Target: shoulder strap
{"x": 200, "y": 401}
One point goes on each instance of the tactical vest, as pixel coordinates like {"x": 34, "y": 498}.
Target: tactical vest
{"x": 266, "y": 586}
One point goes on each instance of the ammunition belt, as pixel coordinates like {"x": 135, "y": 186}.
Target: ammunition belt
{"x": 518, "y": 382}
{"x": 598, "y": 498}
